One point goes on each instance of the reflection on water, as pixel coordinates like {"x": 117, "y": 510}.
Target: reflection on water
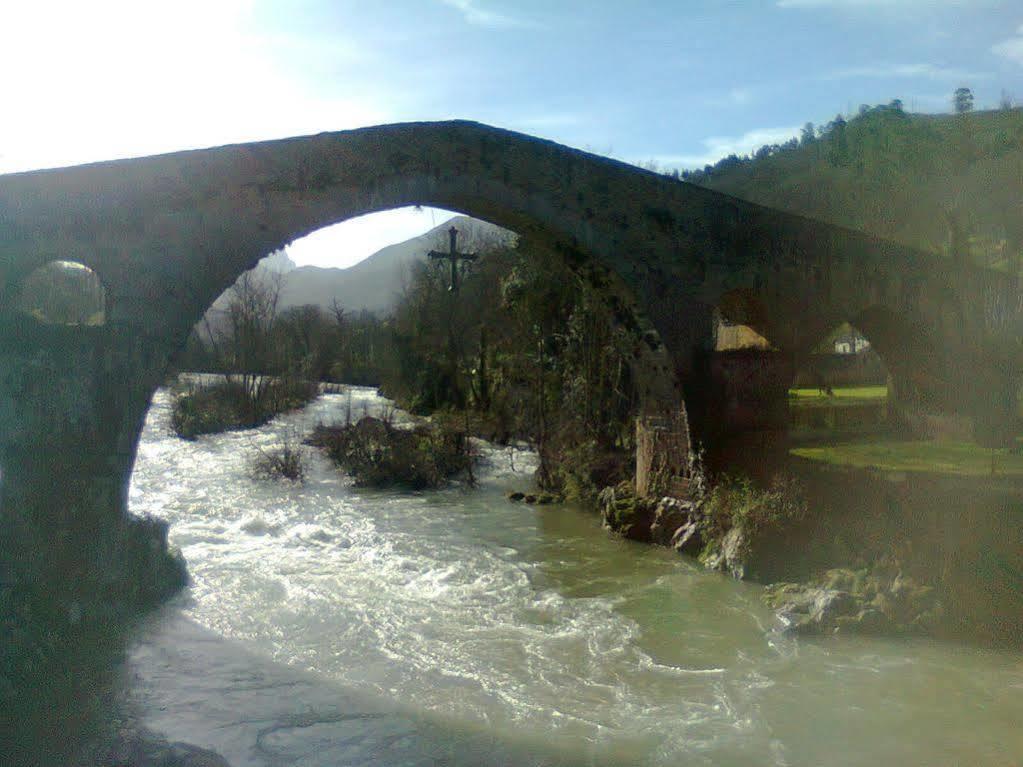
{"x": 329, "y": 625}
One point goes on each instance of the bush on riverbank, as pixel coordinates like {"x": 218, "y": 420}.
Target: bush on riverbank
{"x": 378, "y": 454}
{"x": 231, "y": 405}
{"x": 736, "y": 502}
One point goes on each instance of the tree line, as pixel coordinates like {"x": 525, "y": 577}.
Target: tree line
{"x": 532, "y": 349}
{"x": 945, "y": 183}
{"x": 248, "y": 334}
{"x": 526, "y": 349}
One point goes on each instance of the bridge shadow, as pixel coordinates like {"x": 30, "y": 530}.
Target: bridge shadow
{"x": 160, "y": 689}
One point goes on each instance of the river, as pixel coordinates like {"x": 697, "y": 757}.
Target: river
{"x": 458, "y": 627}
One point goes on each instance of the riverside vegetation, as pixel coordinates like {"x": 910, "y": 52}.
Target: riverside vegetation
{"x": 416, "y": 456}
{"x": 378, "y": 454}
{"x": 210, "y": 408}
{"x": 264, "y": 374}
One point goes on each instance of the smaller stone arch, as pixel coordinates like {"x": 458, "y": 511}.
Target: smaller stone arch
{"x": 910, "y": 354}
{"x": 63, "y": 293}
{"x": 741, "y": 322}
{"x": 840, "y": 386}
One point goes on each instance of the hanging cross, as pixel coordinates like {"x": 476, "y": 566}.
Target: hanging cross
{"x": 454, "y": 257}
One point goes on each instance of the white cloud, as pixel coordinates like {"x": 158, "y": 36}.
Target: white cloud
{"x": 479, "y": 17}
{"x": 888, "y": 71}
{"x": 1011, "y": 49}
{"x": 717, "y": 147}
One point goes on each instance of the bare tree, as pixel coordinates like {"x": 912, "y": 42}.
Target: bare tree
{"x": 251, "y": 315}
{"x": 339, "y": 314}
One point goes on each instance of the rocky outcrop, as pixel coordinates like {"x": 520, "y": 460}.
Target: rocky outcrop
{"x": 680, "y": 524}
{"x": 665, "y": 521}
{"x": 857, "y": 601}
{"x": 730, "y": 553}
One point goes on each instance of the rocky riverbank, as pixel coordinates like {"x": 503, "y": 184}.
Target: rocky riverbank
{"x": 735, "y": 527}
{"x": 862, "y": 601}
{"x": 868, "y": 554}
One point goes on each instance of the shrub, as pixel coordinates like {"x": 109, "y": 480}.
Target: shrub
{"x": 230, "y": 405}
{"x": 578, "y": 472}
{"x": 734, "y": 502}
{"x": 378, "y": 454}
{"x": 284, "y": 462}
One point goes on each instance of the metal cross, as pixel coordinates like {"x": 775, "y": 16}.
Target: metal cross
{"x": 454, "y": 257}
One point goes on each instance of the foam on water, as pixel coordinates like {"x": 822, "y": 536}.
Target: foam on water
{"x": 462, "y": 603}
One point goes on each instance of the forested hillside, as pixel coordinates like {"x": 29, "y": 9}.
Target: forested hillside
{"x": 937, "y": 182}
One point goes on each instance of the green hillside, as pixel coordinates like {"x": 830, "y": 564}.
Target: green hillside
{"x": 943, "y": 183}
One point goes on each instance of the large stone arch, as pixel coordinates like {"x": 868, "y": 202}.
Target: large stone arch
{"x": 167, "y": 234}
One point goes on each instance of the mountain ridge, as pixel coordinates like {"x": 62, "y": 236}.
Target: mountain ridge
{"x": 374, "y": 283}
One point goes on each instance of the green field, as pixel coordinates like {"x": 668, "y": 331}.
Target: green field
{"x": 842, "y": 397}
{"x": 953, "y": 458}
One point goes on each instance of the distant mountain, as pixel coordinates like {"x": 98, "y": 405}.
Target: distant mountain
{"x": 372, "y": 285}
{"x": 375, "y": 284}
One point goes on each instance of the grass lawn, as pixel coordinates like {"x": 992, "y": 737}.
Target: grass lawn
{"x": 843, "y": 396}
{"x": 955, "y": 458}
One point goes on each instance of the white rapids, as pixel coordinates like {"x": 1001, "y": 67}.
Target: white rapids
{"x": 544, "y": 639}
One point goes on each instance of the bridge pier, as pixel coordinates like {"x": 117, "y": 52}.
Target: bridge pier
{"x": 741, "y": 397}
{"x": 72, "y": 402}
{"x": 736, "y": 401}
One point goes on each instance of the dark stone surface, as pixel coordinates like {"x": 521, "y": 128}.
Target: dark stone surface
{"x": 687, "y": 539}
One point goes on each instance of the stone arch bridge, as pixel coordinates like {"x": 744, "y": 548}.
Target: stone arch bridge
{"x": 168, "y": 234}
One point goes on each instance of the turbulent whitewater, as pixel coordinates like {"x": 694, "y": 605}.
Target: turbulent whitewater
{"x": 533, "y": 624}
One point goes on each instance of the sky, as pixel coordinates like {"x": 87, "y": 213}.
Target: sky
{"x": 674, "y": 83}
